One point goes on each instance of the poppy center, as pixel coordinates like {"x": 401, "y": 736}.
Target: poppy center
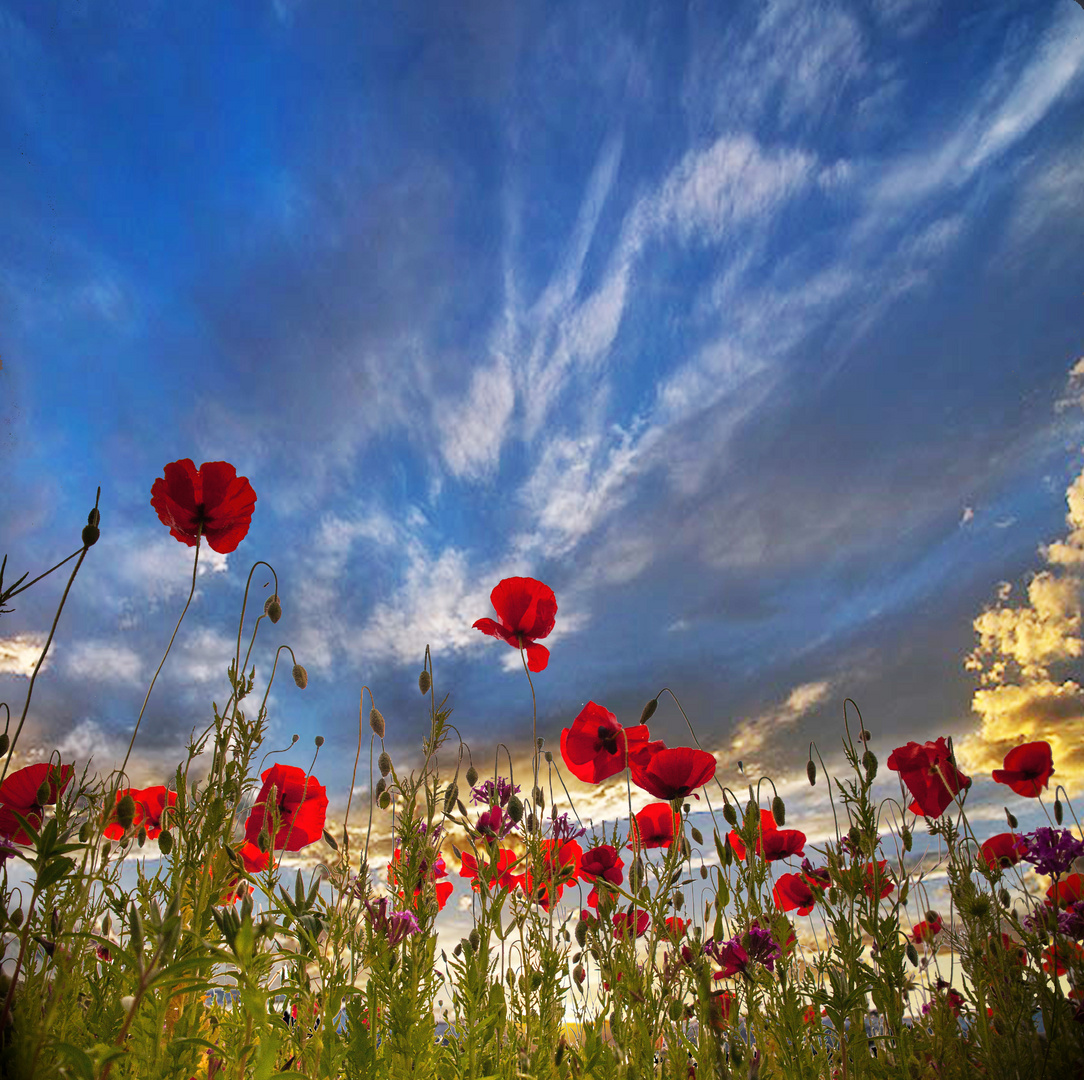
{"x": 607, "y": 739}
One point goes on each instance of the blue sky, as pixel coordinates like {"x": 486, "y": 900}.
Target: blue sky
{"x": 743, "y": 326}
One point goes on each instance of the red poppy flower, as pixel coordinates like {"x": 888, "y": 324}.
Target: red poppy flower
{"x": 677, "y": 926}
{"x": 1066, "y": 891}
{"x": 655, "y": 825}
{"x": 674, "y": 773}
{"x": 560, "y": 867}
{"x": 255, "y": 862}
{"x": 926, "y": 931}
{"x": 1001, "y": 850}
{"x": 19, "y": 794}
{"x": 792, "y": 891}
{"x": 881, "y": 876}
{"x": 772, "y": 842}
{"x": 495, "y": 873}
{"x": 527, "y": 610}
{"x": 1027, "y": 768}
{"x": 432, "y": 873}
{"x": 1060, "y": 953}
{"x": 601, "y": 862}
{"x": 810, "y": 1015}
{"x": 212, "y": 496}
{"x": 298, "y": 811}
{"x": 595, "y": 747}
{"x": 150, "y": 805}
{"x": 626, "y": 922}
{"x": 930, "y": 776}
{"x": 721, "y": 1009}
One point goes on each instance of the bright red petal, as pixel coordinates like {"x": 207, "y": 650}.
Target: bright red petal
{"x": 526, "y": 606}
{"x": 538, "y": 656}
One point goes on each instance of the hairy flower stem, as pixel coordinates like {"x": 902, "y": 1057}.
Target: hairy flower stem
{"x": 534, "y": 729}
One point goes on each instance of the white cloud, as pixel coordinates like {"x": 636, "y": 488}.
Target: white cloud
{"x": 967, "y": 516}
{"x": 20, "y": 653}
{"x": 99, "y": 661}
{"x": 753, "y": 736}
{"x": 473, "y": 430}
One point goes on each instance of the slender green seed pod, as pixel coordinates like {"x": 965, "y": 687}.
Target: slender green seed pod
{"x": 538, "y": 798}
{"x": 425, "y": 681}
{"x": 912, "y": 954}
{"x": 472, "y": 776}
{"x": 301, "y": 676}
{"x": 779, "y": 811}
{"x": 649, "y": 710}
{"x": 107, "y": 924}
{"x": 697, "y": 835}
{"x": 272, "y": 608}
{"x": 384, "y": 763}
{"x": 811, "y": 772}
{"x": 376, "y": 722}
{"x": 869, "y": 763}
{"x": 42, "y": 797}
{"x": 450, "y": 797}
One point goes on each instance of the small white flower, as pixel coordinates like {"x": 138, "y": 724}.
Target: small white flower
{"x": 127, "y": 1002}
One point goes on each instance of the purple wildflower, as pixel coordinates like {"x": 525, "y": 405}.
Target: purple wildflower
{"x": 562, "y": 829}
{"x": 494, "y": 824}
{"x": 1052, "y": 851}
{"x": 400, "y": 925}
{"x": 490, "y": 793}
{"x": 1071, "y": 921}
{"x": 761, "y": 947}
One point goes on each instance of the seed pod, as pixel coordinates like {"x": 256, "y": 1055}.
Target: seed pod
{"x": 319, "y": 741}
{"x": 90, "y": 535}
{"x": 42, "y": 796}
{"x": 165, "y": 842}
{"x": 869, "y": 763}
{"x": 649, "y": 710}
{"x": 578, "y": 974}
{"x": 384, "y": 801}
{"x": 141, "y": 838}
{"x": 905, "y": 836}
{"x": 697, "y": 835}
{"x": 94, "y": 517}
{"x": 581, "y": 934}
{"x": 376, "y": 722}
{"x": 381, "y": 786}
{"x": 912, "y": 954}
{"x": 472, "y": 776}
{"x": 1059, "y": 811}
{"x": 1004, "y": 897}
{"x": 450, "y": 796}
{"x": 125, "y": 811}
{"x": 515, "y": 809}
{"x": 272, "y": 608}
{"x": 538, "y": 798}
{"x": 460, "y": 807}
{"x": 1011, "y": 818}
{"x": 811, "y": 772}
{"x": 548, "y": 755}
{"x": 107, "y": 924}
{"x": 301, "y": 676}
{"x": 730, "y": 814}
{"x": 779, "y": 811}
{"x": 679, "y": 900}
{"x": 384, "y": 763}
{"x": 704, "y": 873}
{"x": 263, "y": 841}
{"x": 425, "y": 681}
{"x": 84, "y": 832}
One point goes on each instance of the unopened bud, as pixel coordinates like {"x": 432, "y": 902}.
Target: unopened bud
{"x": 272, "y": 608}
{"x": 912, "y": 954}
{"x": 730, "y": 814}
{"x": 675, "y": 1010}
{"x": 107, "y": 924}
{"x": 578, "y": 974}
{"x": 869, "y": 763}
{"x": 263, "y": 841}
{"x": 384, "y": 763}
{"x": 1004, "y": 897}
{"x": 381, "y": 786}
{"x": 811, "y": 772}
{"x": 165, "y": 842}
{"x": 515, "y": 808}
{"x": 376, "y": 722}
{"x": 94, "y": 517}
{"x": 581, "y": 934}
{"x": 384, "y": 801}
{"x": 475, "y": 940}
{"x": 697, "y": 835}
{"x": 125, "y": 812}
{"x": 319, "y": 741}
{"x": 549, "y": 757}
{"x": 84, "y": 832}
{"x": 779, "y": 811}
{"x": 42, "y": 796}
{"x": 90, "y": 535}
{"x": 704, "y": 873}
{"x": 679, "y": 900}
{"x": 1059, "y": 811}
{"x": 301, "y": 676}
{"x": 5, "y": 742}
{"x": 538, "y": 798}
{"x": 425, "y": 681}
{"x": 1011, "y": 818}
{"x": 450, "y": 797}
{"x": 905, "y": 836}
{"x": 649, "y": 710}
{"x": 472, "y": 776}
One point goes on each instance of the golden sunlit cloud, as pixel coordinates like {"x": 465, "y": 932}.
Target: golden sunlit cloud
{"x": 20, "y": 653}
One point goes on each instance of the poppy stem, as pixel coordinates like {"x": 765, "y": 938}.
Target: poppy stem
{"x": 534, "y": 726}
{"x": 191, "y": 593}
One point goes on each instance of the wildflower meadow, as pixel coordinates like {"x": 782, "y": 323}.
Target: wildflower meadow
{"x": 701, "y": 934}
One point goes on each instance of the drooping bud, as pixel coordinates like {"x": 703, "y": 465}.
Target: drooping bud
{"x": 811, "y": 772}
{"x": 869, "y": 763}
{"x": 779, "y": 811}
{"x": 272, "y": 608}
{"x": 90, "y": 535}
{"x": 581, "y": 934}
{"x": 107, "y": 924}
{"x": 980, "y": 906}
{"x": 1059, "y": 811}
{"x": 730, "y": 814}
{"x": 42, "y": 797}
{"x": 384, "y": 763}
{"x": 84, "y": 832}
{"x": 912, "y": 954}
{"x": 301, "y": 677}
{"x": 475, "y": 939}
{"x": 263, "y": 841}
{"x": 5, "y": 742}
{"x": 679, "y": 900}
{"x": 704, "y": 873}
{"x": 697, "y": 835}
{"x": 376, "y": 722}
{"x": 549, "y": 757}
{"x": 165, "y": 842}
{"x": 425, "y": 681}
{"x": 381, "y": 785}
{"x": 579, "y": 975}
{"x": 384, "y": 801}
{"x": 515, "y": 808}
{"x": 538, "y": 798}
{"x": 1011, "y": 818}
{"x": 649, "y": 710}
{"x": 450, "y": 797}
{"x": 472, "y": 776}
{"x": 125, "y": 812}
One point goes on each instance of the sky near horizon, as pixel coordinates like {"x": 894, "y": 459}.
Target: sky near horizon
{"x": 748, "y": 328}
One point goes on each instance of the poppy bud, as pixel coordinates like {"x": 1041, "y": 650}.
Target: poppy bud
{"x": 263, "y": 841}
{"x": 42, "y": 796}
{"x": 1059, "y": 812}
{"x": 425, "y": 680}
{"x": 704, "y": 873}
{"x": 905, "y": 836}
{"x": 912, "y": 954}
{"x": 549, "y": 757}
{"x": 730, "y": 814}
{"x": 474, "y": 939}
{"x": 272, "y": 608}
{"x": 779, "y": 811}
{"x": 384, "y": 801}
{"x": 649, "y": 710}
{"x": 458, "y": 950}
{"x": 4, "y": 742}
{"x": 125, "y": 812}
{"x": 980, "y": 906}
{"x": 84, "y": 832}
{"x": 384, "y": 763}
{"x": 450, "y": 797}
{"x": 932, "y": 916}
{"x": 380, "y": 786}
{"x": 578, "y": 974}
{"x": 1011, "y": 818}
{"x": 538, "y": 798}
{"x": 165, "y": 842}
{"x": 107, "y": 924}
{"x": 94, "y": 518}
{"x": 811, "y": 772}
{"x": 530, "y": 821}
{"x": 679, "y": 900}
{"x": 376, "y": 722}
{"x": 698, "y": 836}
{"x": 515, "y": 808}
{"x": 460, "y": 807}
{"x": 319, "y": 741}
{"x": 865, "y": 736}
{"x": 301, "y": 676}
{"x": 869, "y": 763}
{"x": 472, "y": 776}
{"x": 141, "y": 838}
{"x": 581, "y": 933}
{"x": 90, "y": 535}
{"x": 1004, "y": 897}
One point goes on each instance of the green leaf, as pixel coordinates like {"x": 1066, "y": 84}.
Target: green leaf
{"x": 54, "y": 871}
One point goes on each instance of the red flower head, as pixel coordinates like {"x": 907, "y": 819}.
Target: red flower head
{"x": 626, "y": 922}
{"x": 439, "y": 869}
{"x": 1065, "y": 892}
{"x": 496, "y": 873}
{"x": 672, "y": 774}
{"x": 212, "y": 496}
{"x": 601, "y": 862}
{"x": 299, "y": 808}
{"x": 792, "y": 891}
{"x": 926, "y": 931}
{"x": 1027, "y": 768}
{"x": 1060, "y": 953}
{"x": 19, "y": 794}
{"x": 594, "y": 748}
{"x": 676, "y": 927}
{"x": 1003, "y": 849}
{"x": 772, "y": 842}
{"x": 878, "y": 875}
{"x": 656, "y": 825}
{"x": 527, "y": 610}
{"x": 930, "y": 776}
{"x": 150, "y": 805}
{"x": 722, "y": 1009}
{"x": 560, "y": 867}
